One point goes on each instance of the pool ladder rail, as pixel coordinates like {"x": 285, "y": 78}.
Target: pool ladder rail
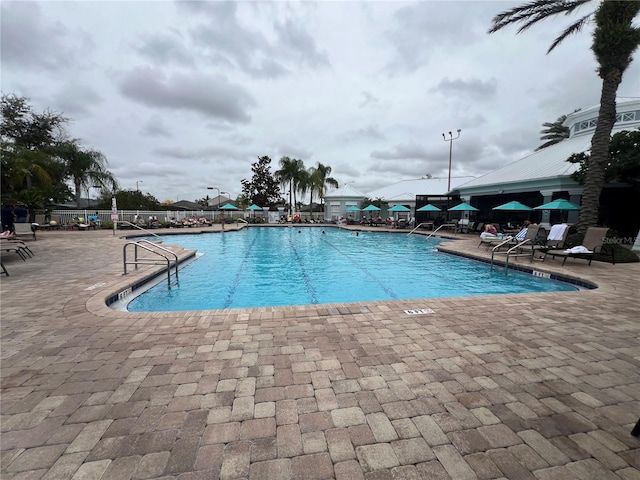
{"x": 125, "y": 222}
{"x": 161, "y": 256}
{"x": 515, "y": 251}
{"x": 451, "y": 226}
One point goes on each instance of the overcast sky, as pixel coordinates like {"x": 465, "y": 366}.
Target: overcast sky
{"x": 181, "y": 96}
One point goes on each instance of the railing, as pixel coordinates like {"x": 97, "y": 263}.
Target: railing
{"x": 151, "y": 247}
{"x": 508, "y": 253}
{"x": 444, "y": 225}
{"x": 140, "y": 228}
{"x": 420, "y": 225}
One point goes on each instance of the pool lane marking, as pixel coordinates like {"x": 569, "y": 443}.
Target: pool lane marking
{"x": 305, "y": 275}
{"x": 236, "y": 280}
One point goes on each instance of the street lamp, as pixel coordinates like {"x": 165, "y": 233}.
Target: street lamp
{"x": 450, "y": 140}
{"x": 137, "y": 187}
{"x": 217, "y": 190}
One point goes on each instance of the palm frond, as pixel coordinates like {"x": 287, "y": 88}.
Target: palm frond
{"x": 570, "y": 30}
{"x": 534, "y": 12}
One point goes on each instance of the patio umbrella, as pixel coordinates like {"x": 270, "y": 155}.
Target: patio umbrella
{"x": 352, "y": 208}
{"x": 428, "y": 208}
{"x": 254, "y": 208}
{"x": 560, "y": 204}
{"x": 399, "y": 208}
{"x": 463, "y": 207}
{"x": 513, "y": 206}
{"x": 371, "y": 208}
{"x": 229, "y": 206}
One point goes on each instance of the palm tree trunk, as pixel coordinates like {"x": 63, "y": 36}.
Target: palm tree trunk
{"x": 595, "y": 175}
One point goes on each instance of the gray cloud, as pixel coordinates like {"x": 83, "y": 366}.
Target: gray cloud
{"x": 474, "y": 89}
{"x": 76, "y": 99}
{"x": 225, "y": 39}
{"x": 297, "y": 45}
{"x": 420, "y": 29}
{"x": 372, "y": 132}
{"x": 156, "y": 127}
{"x": 210, "y": 95}
{"x": 369, "y": 100}
{"x": 165, "y": 48}
{"x": 30, "y": 41}
{"x": 402, "y": 152}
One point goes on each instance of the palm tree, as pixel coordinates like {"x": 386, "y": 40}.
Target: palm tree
{"x": 291, "y": 173}
{"x": 322, "y": 179}
{"x": 554, "y": 132}
{"x": 85, "y": 168}
{"x": 615, "y": 38}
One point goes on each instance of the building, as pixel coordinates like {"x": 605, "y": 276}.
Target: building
{"x": 412, "y": 193}
{"x": 545, "y": 175}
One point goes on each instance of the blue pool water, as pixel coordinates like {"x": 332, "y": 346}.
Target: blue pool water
{"x": 266, "y": 266}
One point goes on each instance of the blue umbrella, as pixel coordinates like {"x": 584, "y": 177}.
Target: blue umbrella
{"x": 463, "y": 207}
{"x": 560, "y": 204}
{"x": 513, "y": 206}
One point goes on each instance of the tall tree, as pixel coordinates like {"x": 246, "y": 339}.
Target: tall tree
{"x": 85, "y": 168}
{"x": 292, "y": 174}
{"x": 615, "y": 38}
{"x": 262, "y": 189}
{"x": 322, "y": 179}
{"x": 28, "y": 170}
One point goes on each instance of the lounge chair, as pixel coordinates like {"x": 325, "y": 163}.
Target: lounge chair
{"x": 555, "y": 240}
{"x": 41, "y": 223}
{"x": 593, "y": 243}
{"x": 24, "y": 229}
{"x": 529, "y": 233}
{"x": 16, "y": 246}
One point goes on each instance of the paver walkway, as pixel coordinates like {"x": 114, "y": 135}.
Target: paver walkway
{"x": 537, "y": 386}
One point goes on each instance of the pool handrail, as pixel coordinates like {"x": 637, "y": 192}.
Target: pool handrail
{"x": 150, "y": 261}
{"x": 140, "y": 228}
{"x": 421, "y": 224}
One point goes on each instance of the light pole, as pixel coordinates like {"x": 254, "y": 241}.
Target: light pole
{"x": 450, "y": 140}
{"x": 137, "y": 187}
{"x": 217, "y": 190}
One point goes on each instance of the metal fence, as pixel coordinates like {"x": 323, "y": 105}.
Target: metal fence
{"x": 64, "y": 217}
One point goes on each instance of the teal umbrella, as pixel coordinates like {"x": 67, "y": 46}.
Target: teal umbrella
{"x": 428, "y": 208}
{"x": 352, "y": 208}
{"x": 463, "y": 207}
{"x": 513, "y": 206}
{"x": 254, "y": 208}
{"x": 560, "y": 204}
{"x": 229, "y": 206}
{"x": 399, "y": 208}
{"x": 371, "y": 208}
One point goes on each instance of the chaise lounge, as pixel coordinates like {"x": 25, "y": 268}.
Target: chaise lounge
{"x": 592, "y": 244}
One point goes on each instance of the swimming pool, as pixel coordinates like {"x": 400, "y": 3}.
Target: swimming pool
{"x": 267, "y": 266}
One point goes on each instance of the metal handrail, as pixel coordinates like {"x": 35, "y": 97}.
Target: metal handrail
{"x": 423, "y": 223}
{"x": 496, "y": 249}
{"x": 149, "y": 261}
{"x": 241, "y": 220}
{"x": 140, "y": 228}
{"x": 454, "y": 225}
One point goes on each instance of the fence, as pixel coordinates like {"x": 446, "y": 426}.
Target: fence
{"x": 66, "y": 216}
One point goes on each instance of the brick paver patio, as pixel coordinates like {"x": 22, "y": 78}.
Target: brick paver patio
{"x": 539, "y": 386}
